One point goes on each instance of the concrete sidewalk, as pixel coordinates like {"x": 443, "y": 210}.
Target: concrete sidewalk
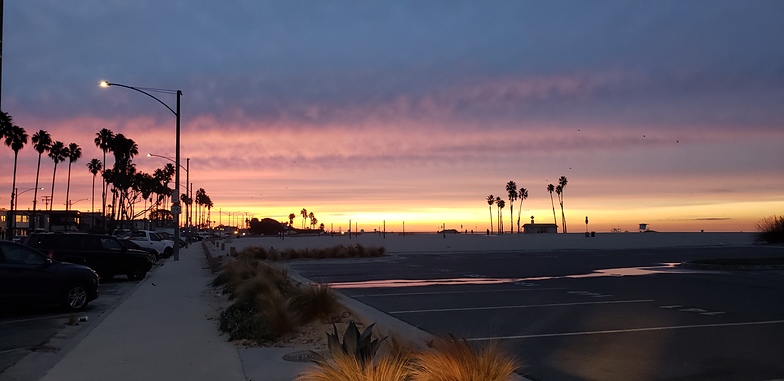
{"x": 160, "y": 332}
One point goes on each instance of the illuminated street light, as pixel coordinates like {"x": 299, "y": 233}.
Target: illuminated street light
{"x": 17, "y": 193}
{"x": 175, "y": 209}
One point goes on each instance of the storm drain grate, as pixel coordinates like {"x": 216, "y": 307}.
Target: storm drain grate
{"x": 302, "y": 356}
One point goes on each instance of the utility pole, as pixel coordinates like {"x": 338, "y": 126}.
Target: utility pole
{"x": 45, "y": 199}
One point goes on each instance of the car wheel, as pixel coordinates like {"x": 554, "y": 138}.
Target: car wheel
{"x": 75, "y": 297}
{"x": 138, "y": 273}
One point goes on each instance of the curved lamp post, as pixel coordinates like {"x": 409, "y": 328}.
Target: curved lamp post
{"x": 175, "y": 209}
{"x": 17, "y": 193}
{"x": 187, "y": 181}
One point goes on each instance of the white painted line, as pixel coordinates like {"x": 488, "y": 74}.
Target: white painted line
{"x": 520, "y": 306}
{"x": 625, "y": 330}
{"x": 711, "y": 313}
{"x": 451, "y": 292}
{"x": 672, "y": 306}
{"x": 693, "y": 310}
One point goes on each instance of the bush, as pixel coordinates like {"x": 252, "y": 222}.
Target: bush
{"x": 317, "y": 302}
{"x": 771, "y": 229}
{"x": 455, "y": 359}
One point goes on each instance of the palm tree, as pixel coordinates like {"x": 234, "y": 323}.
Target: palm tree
{"x": 16, "y": 138}
{"x": 311, "y": 217}
{"x": 103, "y": 140}
{"x": 42, "y": 141}
{"x": 94, "y": 166}
{"x": 74, "y": 154}
{"x": 522, "y": 195}
{"x": 551, "y": 189}
{"x": 57, "y": 153}
{"x": 304, "y": 213}
{"x": 562, "y": 183}
{"x": 501, "y": 203}
{"x": 511, "y": 190}
{"x": 291, "y": 219}
{"x": 490, "y": 201}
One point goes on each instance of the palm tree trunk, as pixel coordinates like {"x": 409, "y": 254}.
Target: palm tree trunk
{"x": 104, "y": 185}
{"x": 491, "y": 218}
{"x": 51, "y": 198}
{"x": 555, "y": 219}
{"x": 35, "y": 194}
{"x": 92, "y": 199}
{"x": 68, "y": 188}
{"x": 511, "y": 216}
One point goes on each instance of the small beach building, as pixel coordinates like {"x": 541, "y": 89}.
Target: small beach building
{"x": 534, "y": 228}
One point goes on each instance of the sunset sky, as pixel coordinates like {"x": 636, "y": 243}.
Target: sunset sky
{"x": 669, "y": 113}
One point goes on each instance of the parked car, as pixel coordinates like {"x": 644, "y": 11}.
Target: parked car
{"x": 103, "y": 253}
{"x": 28, "y": 277}
{"x": 147, "y": 238}
{"x": 170, "y": 236}
{"x": 133, "y": 245}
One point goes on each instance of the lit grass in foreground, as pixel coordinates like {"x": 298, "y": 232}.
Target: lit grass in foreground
{"x": 449, "y": 359}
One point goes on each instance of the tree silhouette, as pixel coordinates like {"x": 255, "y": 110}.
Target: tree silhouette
{"x": 501, "y": 203}
{"x": 42, "y": 141}
{"x": 562, "y": 183}
{"x": 94, "y": 166}
{"x": 522, "y": 195}
{"x": 291, "y": 219}
{"x": 551, "y": 189}
{"x": 103, "y": 140}
{"x": 57, "y": 152}
{"x": 16, "y": 138}
{"x": 304, "y": 213}
{"x": 490, "y": 201}
{"x": 511, "y": 190}
{"x": 74, "y": 154}
{"x": 311, "y": 217}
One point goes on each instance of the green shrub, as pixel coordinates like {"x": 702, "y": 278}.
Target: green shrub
{"x": 771, "y": 229}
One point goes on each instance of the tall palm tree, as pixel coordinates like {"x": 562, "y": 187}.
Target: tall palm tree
{"x": 94, "y": 166}
{"x": 490, "y": 201}
{"x": 74, "y": 154}
{"x": 291, "y": 219}
{"x": 562, "y": 183}
{"x": 511, "y": 190}
{"x": 522, "y": 194}
{"x": 304, "y": 213}
{"x": 501, "y": 203}
{"x": 103, "y": 140}
{"x": 311, "y": 217}
{"x": 16, "y": 138}
{"x": 551, "y": 189}
{"x": 42, "y": 141}
{"x": 57, "y": 153}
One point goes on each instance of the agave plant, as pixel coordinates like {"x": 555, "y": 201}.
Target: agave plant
{"x": 362, "y": 347}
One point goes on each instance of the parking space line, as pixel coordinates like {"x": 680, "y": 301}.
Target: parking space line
{"x": 630, "y": 330}
{"x": 453, "y": 292}
{"x": 520, "y": 306}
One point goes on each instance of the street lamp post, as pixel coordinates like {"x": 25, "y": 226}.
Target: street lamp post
{"x": 176, "y": 204}
{"x": 17, "y": 193}
{"x": 187, "y": 195}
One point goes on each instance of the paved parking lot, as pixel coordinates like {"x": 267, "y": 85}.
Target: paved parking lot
{"x": 576, "y": 315}
{"x": 48, "y": 331}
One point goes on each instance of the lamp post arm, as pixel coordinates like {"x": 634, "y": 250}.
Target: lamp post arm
{"x": 143, "y": 92}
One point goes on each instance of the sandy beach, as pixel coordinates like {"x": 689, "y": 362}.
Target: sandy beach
{"x": 427, "y": 243}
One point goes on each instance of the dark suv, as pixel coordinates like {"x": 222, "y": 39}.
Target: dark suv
{"x": 103, "y": 253}
{"x": 28, "y": 277}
